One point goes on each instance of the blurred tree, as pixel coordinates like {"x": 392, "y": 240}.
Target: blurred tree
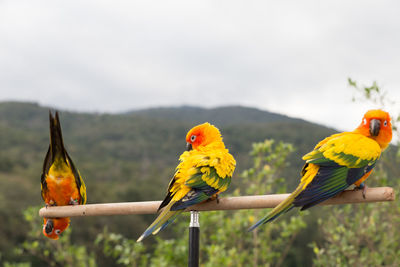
{"x": 126, "y": 251}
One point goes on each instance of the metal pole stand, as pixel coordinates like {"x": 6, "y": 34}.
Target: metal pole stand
{"x": 194, "y": 239}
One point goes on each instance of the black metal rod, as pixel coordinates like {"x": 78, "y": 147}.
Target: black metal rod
{"x": 194, "y": 239}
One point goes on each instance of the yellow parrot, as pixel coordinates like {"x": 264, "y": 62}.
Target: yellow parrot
{"x": 337, "y": 162}
{"x": 204, "y": 171}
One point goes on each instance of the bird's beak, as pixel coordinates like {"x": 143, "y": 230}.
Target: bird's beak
{"x": 189, "y": 146}
{"x": 49, "y": 226}
{"x": 374, "y": 127}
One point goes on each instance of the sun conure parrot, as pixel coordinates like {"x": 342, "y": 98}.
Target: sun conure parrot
{"x": 204, "y": 171}
{"x": 337, "y": 162}
{"x": 61, "y": 182}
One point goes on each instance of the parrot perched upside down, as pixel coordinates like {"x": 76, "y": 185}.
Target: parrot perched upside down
{"x": 61, "y": 182}
{"x": 204, "y": 171}
{"x": 337, "y": 162}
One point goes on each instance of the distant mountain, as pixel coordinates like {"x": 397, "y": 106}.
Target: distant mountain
{"x": 228, "y": 115}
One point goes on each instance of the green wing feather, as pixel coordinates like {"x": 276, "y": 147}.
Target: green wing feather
{"x": 208, "y": 177}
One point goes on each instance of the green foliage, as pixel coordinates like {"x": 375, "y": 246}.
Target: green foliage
{"x": 372, "y": 93}
{"x": 125, "y": 251}
{"x": 224, "y": 240}
{"x": 269, "y": 162}
{"x": 38, "y": 248}
{"x": 14, "y": 264}
{"x": 365, "y": 235}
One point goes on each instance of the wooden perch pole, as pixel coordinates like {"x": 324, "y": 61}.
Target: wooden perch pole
{"x": 377, "y": 194}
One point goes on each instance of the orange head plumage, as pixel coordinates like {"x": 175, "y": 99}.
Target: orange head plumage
{"x": 203, "y": 135}
{"x": 52, "y": 228}
{"x": 376, "y": 124}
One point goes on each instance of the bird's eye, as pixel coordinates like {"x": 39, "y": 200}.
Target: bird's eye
{"x": 365, "y": 121}
{"x": 192, "y": 138}
{"x": 58, "y": 231}
{"x": 385, "y": 123}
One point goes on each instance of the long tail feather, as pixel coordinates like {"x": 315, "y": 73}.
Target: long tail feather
{"x": 283, "y": 207}
{"x": 56, "y": 140}
{"x": 165, "y": 218}
{"x": 168, "y": 222}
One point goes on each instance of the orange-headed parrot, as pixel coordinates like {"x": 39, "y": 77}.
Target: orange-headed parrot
{"x": 61, "y": 182}
{"x": 337, "y": 162}
{"x": 204, "y": 171}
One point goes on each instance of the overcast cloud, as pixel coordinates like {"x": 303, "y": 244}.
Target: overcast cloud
{"x": 291, "y": 57}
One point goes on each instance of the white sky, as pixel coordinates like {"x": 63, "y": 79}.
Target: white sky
{"x": 291, "y": 57}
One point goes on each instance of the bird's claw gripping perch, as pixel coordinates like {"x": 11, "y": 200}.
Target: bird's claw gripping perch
{"x": 51, "y": 203}
{"x": 362, "y": 187}
{"x": 73, "y": 202}
{"x": 214, "y": 197}
{"x": 364, "y": 191}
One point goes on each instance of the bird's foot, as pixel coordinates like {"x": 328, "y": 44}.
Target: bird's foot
{"x": 73, "y": 202}
{"x": 364, "y": 192}
{"x": 50, "y": 203}
{"x": 362, "y": 187}
{"x": 214, "y": 197}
